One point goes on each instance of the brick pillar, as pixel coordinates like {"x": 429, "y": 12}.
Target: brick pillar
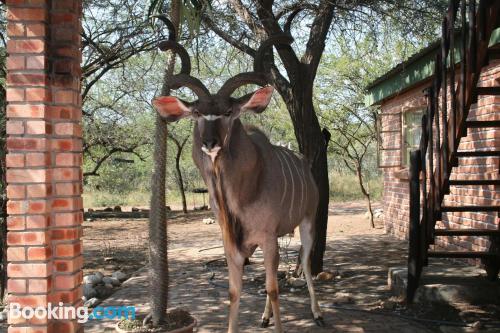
{"x": 44, "y": 159}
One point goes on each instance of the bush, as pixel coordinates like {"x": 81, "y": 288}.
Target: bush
{"x": 345, "y": 187}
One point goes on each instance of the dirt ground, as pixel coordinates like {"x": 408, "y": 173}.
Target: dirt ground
{"x": 111, "y": 244}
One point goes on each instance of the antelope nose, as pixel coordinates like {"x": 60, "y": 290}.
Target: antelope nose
{"x": 210, "y": 144}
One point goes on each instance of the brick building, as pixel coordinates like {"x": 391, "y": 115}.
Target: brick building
{"x": 44, "y": 159}
{"x": 400, "y": 94}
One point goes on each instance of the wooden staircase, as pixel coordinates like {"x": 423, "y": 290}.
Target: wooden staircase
{"x": 443, "y": 125}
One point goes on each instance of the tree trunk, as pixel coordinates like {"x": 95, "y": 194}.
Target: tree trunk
{"x": 359, "y": 173}
{"x": 158, "y": 254}
{"x": 180, "y": 180}
{"x": 313, "y": 145}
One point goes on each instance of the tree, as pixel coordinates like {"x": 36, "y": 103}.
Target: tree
{"x": 248, "y": 23}
{"x": 180, "y": 137}
{"x": 157, "y": 222}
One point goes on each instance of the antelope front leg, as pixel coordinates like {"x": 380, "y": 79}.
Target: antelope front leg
{"x": 235, "y": 267}
{"x": 271, "y": 261}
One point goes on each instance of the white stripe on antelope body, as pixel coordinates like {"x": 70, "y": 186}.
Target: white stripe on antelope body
{"x": 258, "y": 191}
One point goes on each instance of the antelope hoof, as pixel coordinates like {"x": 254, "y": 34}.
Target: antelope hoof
{"x": 319, "y": 321}
{"x": 264, "y": 323}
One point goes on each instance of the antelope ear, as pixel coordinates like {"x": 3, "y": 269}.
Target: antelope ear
{"x": 257, "y": 101}
{"x": 171, "y": 108}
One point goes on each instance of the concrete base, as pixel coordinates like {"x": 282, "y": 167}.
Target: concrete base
{"x": 447, "y": 283}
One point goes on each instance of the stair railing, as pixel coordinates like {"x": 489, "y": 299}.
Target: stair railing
{"x": 444, "y": 123}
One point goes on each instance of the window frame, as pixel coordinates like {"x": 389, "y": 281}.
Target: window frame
{"x": 404, "y": 130}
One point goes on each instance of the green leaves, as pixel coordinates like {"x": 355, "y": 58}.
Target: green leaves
{"x": 191, "y": 12}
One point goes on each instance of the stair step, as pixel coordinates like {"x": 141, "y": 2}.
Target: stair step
{"x": 466, "y": 232}
{"x": 488, "y": 91}
{"x": 470, "y": 208}
{"x": 462, "y": 254}
{"x": 474, "y": 182}
{"x": 481, "y": 124}
{"x": 483, "y": 153}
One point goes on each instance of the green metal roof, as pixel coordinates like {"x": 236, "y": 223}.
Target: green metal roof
{"x": 417, "y": 68}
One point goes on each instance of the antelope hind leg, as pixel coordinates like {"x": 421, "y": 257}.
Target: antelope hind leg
{"x": 271, "y": 261}
{"x": 307, "y": 238}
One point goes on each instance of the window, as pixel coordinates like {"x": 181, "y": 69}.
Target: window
{"x": 412, "y": 131}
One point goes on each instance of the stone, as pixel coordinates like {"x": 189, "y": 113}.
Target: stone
{"x": 99, "y": 275}
{"x": 135, "y": 209}
{"x": 117, "y": 209}
{"x": 91, "y": 302}
{"x": 90, "y": 210}
{"x": 325, "y": 276}
{"x": 103, "y": 291}
{"x": 3, "y": 315}
{"x": 92, "y": 279}
{"x": 262, "y": 291}
{"x": 108, "y": 259}
{"x": 208, "y": 221}
{"x": 89, "y": 291}
{"x": 119, "y": 275}
{"x": 108, "y": 285}
{"x": 297, "y": 282}
{"x": 108, "y": 209}
{"x": 342, "y": 298}
{"x": 111, "y": 280}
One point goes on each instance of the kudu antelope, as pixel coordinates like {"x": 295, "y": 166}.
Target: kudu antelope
{"x": 258, "y": 191}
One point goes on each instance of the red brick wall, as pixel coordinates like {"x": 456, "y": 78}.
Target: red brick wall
{"x": 396, "y": 187}
{"x": 44, "y": 158}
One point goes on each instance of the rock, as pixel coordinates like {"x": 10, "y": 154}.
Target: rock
{"x": 168, "y": 209}
{"x": 281, "y": 275}
{"x": 108, "y": 285}
{"x": 117, "y": 209}
{"x": 262, "y": 291}
{"x": 208, "y": 221}
{"x": 90, "y": 210}
{"x": 296, "y": 282}
{"x": 111, "y": 280}
{"x": 135, "y": 209}
{"x": 342, "y": 298}
{"x": 108, "y": 259}
{"x": 108, "y": 209}
{"x": 325, "y": 276}
{"x": 477, "y": 325}
{"x": 378, "y": 213}
{"x": 91, "y": 302}
{"x": 89, "y": 291}
{"x": 103, "y": 291}
{"x": 119, "y": 275}
{"x": 3, "y": 316}
{"x": 92, "y": 279}
{"x": 292, "y": 290}
{"x": 99, "y": 275}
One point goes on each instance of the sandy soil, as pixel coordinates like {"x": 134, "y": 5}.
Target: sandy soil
{"x": 111, "y": 244}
